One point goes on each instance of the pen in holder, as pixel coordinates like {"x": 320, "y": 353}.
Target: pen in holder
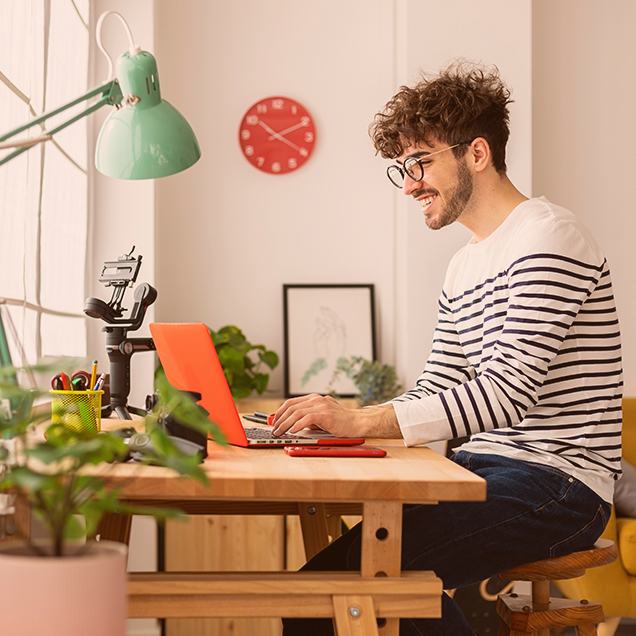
{"x": 80, "y": 410}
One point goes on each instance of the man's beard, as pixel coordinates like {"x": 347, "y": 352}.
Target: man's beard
{"x": 457, "y": 200}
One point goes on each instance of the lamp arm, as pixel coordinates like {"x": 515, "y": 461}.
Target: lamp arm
{"x": 111, "y": 95}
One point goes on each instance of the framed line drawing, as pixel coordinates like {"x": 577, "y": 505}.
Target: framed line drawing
{"x": 322, "y": 324}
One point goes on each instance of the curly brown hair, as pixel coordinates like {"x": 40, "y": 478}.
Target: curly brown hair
{"x": 461, "y": 103}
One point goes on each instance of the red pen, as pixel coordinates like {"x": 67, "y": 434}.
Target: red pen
{"x": 66, "y": 381}
{"x": 268, "y": 417}
{"x": 261, "y": 418}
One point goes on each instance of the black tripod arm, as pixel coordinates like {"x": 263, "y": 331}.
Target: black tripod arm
{"x": 128, "y": 346}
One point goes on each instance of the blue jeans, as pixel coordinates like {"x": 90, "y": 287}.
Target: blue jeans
{"x": 532, "y": 512}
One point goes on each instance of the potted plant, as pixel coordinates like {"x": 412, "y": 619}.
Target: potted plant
{"x": 375, "y": 381}
{"x": 242, "y": 361}
{"x": 75, "y": 584}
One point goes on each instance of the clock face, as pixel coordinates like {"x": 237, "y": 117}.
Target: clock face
{"x": 277, "y": 135}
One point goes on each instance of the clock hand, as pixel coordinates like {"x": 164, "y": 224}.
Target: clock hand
{"x": 277, "y": 136}
{"x": 288, "y": 130}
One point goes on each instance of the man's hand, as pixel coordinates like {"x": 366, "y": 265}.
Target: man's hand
{"x": 323, "y": 412}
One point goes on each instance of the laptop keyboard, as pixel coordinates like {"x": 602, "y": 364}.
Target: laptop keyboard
{"x": 258, "y": 432}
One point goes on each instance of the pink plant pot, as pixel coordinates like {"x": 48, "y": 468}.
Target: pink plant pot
{"x": 84, "y": 594}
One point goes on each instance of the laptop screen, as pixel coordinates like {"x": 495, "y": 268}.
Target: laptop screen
{"x": 190, "y": 363}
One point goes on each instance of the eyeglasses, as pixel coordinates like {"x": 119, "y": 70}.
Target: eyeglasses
{"x": 414, "y": 167}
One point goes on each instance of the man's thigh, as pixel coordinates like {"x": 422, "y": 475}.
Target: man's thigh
{"x": 532, "y": 512}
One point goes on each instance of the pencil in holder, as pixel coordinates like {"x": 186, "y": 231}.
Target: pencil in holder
{"x": 79, "y": 410}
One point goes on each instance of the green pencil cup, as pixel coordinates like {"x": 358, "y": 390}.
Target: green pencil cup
{"x": 80, "y": 410}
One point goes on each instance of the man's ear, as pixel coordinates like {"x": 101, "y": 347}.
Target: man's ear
{"x": 479, "y": 154}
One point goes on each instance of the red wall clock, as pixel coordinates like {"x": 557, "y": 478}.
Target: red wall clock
{"x": 277, "y": 135}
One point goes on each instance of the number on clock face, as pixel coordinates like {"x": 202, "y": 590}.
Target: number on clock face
{"x": 277, "y": 135}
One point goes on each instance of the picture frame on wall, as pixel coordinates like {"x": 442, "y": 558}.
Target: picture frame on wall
{"x": 323, "y": 323}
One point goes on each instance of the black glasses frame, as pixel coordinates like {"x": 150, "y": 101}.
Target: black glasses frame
{"x": 414, "y": 162}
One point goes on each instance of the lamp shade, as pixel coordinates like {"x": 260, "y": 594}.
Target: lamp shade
{"x": 147, "y": 138}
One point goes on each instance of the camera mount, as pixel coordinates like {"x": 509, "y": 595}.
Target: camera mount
{"x": 119, "y": 275}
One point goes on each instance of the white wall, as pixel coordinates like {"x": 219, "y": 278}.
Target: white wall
{"x": 229, "y": 236}
{"x": 123, "y": 215}
{"x": 430, "y": 36}
{"x": 585, "y": 132}
{"x": 123, "y": 211}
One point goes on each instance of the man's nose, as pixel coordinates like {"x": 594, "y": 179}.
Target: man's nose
{"x": 410, "y": 184}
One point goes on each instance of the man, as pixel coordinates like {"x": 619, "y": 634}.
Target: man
{"x": 526, "y": 357}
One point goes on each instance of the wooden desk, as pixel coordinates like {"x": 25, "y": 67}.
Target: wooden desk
{"x": 246, "y": 481}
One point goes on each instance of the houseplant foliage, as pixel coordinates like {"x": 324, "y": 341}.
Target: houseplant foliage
{"x": 242, "y": 361}
{"x": 375, "y": 381}
{"x": 53, "y": 471}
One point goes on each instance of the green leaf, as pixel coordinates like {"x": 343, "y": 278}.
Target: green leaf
{"x": 234, "y": 351}
{"x": 186, "y": 410}
{"x": 218, "y": 338}
{"x": 241, "y": 393}
{"x": 260, "y": 382}
{"x": 29, "y": 480}
{"x": 230, "y": 330}
{"x": 242, "y": 386}
{"x": 269, "y": 358}
{"x": 74, "y": 528}
{"x": 239, "y": 344}
{"x": 231, "y": 360}
{"x": 172, "y": 457}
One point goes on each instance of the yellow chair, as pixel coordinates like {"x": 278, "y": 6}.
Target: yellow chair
{"x": 614, "y": 585}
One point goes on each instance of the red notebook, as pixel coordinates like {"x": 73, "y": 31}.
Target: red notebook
{"x": 190, "y": 363}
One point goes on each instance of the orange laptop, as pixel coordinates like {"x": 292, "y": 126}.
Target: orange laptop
{"x": 190, "y": 362}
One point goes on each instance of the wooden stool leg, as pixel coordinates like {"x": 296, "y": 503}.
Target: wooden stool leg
{"x": 541, "y": 595}
{"x": 586, "y": 629}
{"x": 609, "y": 627}
{"x": 541, "y": 600}
{"x": 354, "y": 616}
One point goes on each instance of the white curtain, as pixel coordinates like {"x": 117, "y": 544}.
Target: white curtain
{"x": 44, "y": 54}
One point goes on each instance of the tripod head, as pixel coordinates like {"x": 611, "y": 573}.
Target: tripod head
{"x": 119, "y": 275}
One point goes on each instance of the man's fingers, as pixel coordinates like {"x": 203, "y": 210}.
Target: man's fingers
{"x": 298, "y": 413}
{"x": 290, "y": 423}
{"x": 288, "y": 408}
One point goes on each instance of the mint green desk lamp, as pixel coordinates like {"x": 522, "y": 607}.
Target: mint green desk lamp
{"x": 144, "y": 137}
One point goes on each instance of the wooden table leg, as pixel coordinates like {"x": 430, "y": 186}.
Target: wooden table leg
{"x": 115, "y": 527}
{"x": 354, "y": 616}
{"x": 18, "y": 525}
{"x": 334, "y": 526}
{"x": 382, "y": 547}
{"x": 313, "y": 521}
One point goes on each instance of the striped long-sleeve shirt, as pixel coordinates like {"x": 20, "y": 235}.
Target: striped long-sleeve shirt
{"x": 526, "y": 356}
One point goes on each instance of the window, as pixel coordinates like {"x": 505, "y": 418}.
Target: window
{"x": 44, "y": 191}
